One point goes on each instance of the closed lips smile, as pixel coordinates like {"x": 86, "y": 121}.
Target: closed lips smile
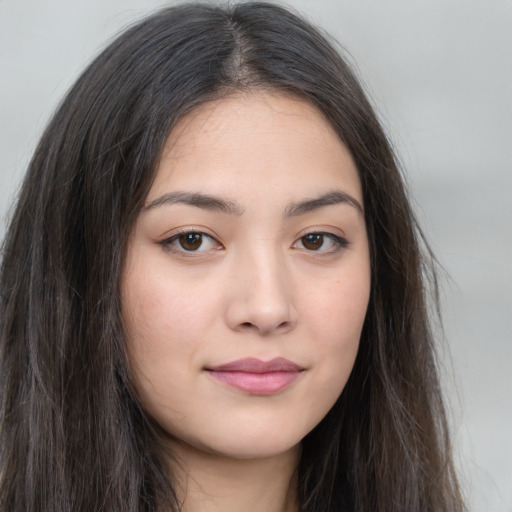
{"x": 257, "y": 377}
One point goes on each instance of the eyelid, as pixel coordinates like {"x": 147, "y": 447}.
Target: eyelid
{"x": 167, "y": 242}
{"x": 340, "y": 242}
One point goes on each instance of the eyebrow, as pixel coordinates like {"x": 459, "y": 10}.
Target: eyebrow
{"x": 213, "y": 203}
{"x": 204, "y": 201}
{"x": 330, "y": 198}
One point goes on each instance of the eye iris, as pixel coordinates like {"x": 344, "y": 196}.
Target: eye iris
{"x": 191, "y": 241}
{"x": 313, "y": 241}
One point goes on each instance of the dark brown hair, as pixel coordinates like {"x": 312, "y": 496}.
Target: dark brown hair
{"x": 72, "y": 434}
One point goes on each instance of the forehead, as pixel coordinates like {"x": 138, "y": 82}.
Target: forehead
{"x": 246, "y": 140}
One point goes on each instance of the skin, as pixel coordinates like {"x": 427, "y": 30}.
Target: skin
{"x": 252, "y": 284}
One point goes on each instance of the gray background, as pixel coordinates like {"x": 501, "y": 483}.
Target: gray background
{"x": 441, "y": 74}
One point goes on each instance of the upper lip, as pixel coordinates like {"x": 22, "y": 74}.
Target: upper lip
{"x": 253, "y": 365}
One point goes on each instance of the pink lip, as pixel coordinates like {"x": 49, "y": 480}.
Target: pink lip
{"x": 257, "y": 377}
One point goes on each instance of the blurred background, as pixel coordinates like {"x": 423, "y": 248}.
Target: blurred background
{"x": 440, "y": 73}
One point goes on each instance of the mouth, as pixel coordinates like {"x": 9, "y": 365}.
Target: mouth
{"x": 257, "y": 377}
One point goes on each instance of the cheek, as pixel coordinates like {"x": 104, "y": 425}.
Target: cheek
{"x": 162, "y": 313}
{"x": 334, "y": 319}
{"x": 162, "y": 329}
{"x": 336, "y": 312}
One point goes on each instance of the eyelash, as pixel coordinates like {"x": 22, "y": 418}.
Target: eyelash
{"x": 338, "y": 241}
{"x": 169, "y": 243}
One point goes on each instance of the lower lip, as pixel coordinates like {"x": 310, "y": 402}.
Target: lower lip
{"x": 256, "y": 383}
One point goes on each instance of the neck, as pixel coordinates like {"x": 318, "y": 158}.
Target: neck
{"x": 212, "y": 483}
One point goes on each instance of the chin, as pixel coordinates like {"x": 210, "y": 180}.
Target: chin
{"x": 256, "y": 451}
{"x": 246, "y": 446}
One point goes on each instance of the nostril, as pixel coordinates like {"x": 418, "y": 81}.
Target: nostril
{"x": 250, "y": 326}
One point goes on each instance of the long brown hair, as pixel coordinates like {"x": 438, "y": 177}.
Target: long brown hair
{"x": 72, "y": 434}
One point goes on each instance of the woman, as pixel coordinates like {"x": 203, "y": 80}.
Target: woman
{"x": 213, "y": 295}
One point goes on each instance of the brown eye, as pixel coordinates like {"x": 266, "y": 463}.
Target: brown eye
{"x": 191, "y": 241}
{"x": 322, "y": 243}
{"x": 313, "y": 241}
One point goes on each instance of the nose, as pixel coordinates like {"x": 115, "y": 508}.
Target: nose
{"x": 261, "y": 297}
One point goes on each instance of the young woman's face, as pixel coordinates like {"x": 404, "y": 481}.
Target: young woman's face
{"x": 247, "y": 277}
